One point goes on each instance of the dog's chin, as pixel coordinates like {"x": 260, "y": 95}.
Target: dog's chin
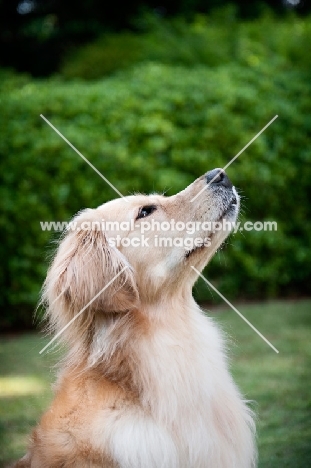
{"x": 230, "y": 214}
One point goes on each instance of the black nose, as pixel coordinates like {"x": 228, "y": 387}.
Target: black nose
{"x": 218, "y": 177}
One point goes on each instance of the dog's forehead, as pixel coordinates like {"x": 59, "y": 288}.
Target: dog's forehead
{"x": 128, "y": 205}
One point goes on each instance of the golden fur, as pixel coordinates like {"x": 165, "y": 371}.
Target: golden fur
{"x": 145, "y": 383}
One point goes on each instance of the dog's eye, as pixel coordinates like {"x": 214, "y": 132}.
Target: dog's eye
{"x": 146, "y": 211}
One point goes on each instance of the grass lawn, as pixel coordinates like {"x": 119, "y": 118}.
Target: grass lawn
{"x": 279, "y": 384}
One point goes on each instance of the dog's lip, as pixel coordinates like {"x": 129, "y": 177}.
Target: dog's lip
{"x": 195, "y": 249}
{"x": 233, "y": 203}
{"x": 199, "y": 247}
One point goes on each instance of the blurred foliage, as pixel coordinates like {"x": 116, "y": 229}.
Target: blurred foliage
{"x": 36, "y": 34}
{"x": 157, "y": 125}
{"x": 208, "y": 40}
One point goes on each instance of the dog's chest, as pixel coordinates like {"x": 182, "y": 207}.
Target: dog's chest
{"x": 179, "y": 414}
{"x": 180, "y": 375}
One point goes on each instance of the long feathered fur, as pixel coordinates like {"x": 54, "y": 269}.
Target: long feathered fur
{"x": 145, "y": 381}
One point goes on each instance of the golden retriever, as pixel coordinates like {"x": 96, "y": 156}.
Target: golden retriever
{"x": 145, "y": 382}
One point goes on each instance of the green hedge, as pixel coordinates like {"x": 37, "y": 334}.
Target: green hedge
{"x": 212, "y": 40}
{"x": 158, "y": 127}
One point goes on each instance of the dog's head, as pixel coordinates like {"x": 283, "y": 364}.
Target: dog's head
{"x": 139, "y": 250}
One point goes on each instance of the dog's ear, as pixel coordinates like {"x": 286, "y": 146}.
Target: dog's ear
{"x": 87, "y": 272}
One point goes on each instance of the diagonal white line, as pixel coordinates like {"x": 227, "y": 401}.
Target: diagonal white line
{"x": 83, "y": 157}
{"x": 235, "y": 310}
{"x": 82, "y": 310}
{"x": 236, "y": 156}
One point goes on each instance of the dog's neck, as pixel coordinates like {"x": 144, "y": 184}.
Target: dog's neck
{"x": 115, "y": 332}
{"x": 145, "y": 350}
